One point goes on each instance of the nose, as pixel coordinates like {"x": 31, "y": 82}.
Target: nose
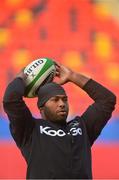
{"x": 61, "y": 103}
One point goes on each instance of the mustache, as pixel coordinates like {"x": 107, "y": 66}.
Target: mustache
{"x": 62, "y": 110}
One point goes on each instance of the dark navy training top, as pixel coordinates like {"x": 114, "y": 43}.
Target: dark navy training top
{"x": 51, "y": 150}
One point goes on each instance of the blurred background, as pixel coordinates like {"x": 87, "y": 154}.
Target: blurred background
{"x": 81, "y": 34}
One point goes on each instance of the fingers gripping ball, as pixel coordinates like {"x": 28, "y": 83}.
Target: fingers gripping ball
{"x": 38, "y": 72}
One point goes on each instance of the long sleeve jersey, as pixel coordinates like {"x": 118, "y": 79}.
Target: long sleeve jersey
{"x": 54, "y": 151}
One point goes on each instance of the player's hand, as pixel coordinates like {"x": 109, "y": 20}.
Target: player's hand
{"x": 63, "y": 73}
{"x": 21, "y": 75}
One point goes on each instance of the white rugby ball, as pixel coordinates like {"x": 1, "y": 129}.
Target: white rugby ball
{"x": 38, "y": 72}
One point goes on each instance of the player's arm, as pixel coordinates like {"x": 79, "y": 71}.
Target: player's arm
{"x": 21, "y": 123}
{"x": 97, "y": 115}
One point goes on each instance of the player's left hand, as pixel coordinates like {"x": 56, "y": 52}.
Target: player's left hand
{"x": 63, "y": 73}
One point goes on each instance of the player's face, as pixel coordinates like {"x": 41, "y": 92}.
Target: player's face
{"x": 56, "y": 109}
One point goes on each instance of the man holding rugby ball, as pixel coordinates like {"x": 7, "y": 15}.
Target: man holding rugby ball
{"x": 52, "y": 147}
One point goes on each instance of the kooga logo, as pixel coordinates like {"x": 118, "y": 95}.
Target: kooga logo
{"x": 51, "y": 132}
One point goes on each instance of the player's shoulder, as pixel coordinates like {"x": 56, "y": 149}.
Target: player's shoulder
{"x": 40, "y": 121}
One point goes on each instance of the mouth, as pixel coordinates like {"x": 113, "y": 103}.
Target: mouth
{"x": 62, "y": 112}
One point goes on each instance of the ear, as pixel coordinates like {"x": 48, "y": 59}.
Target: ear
{"x": 42, "y": 112}
{"x": 41, "y": 109}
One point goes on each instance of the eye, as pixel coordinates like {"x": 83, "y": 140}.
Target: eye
{"x": 54, "y": 99}
{"x": 65, "y": 99}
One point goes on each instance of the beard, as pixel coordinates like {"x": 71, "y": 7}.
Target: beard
{"x": 55, "y": 116}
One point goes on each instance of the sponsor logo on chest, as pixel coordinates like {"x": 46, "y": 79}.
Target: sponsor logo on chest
{"x": 74, "y": 131}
